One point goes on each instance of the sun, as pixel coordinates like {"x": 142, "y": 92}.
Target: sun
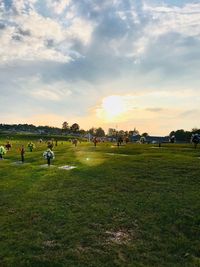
{"x": 113, "y": 107}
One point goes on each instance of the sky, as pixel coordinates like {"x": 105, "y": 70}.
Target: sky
{"x": 121, "y": 64}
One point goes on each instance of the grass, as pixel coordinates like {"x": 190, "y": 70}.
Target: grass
{"x": 138, "y": 207}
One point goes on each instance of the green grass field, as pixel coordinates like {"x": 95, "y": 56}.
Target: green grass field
{"x": 130, "y": 206}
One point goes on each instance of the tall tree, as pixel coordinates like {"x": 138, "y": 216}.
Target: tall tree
{"x": 112, "y": 132}
{"x": 82, "y": 131}
{"x": 65, "y": 125}
{"x": 75, "y": 127}
{"x": 100, "y": 132}
{"x": 92, "y": 131}
{"x": 145, "y": 134}
{"x": 121, "y": 133}
{"x": 134, "y": 132}
{"x": 196, "y": 131}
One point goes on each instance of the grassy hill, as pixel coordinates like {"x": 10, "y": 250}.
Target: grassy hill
{"x": 136, "y": 205}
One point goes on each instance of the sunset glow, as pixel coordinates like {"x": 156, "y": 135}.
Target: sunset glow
{"x": 113, "y": 108}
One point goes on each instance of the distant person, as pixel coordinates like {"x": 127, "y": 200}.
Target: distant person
{"x": 22, "y": 152}
{"x": 2, "y": 152}
{"x": 48, "y": 155}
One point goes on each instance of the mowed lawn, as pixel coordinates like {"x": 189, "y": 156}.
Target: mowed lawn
{"x": 130, "y": 206}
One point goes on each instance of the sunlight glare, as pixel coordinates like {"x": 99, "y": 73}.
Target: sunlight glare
{"x": 113, "y": 107}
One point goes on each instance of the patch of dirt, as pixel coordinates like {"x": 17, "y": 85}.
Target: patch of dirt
{"x": 119, "y": 237}
{"x": 50, "y": 244}
{"x": 11, "y": 211}
{"x": 67, "y": 167}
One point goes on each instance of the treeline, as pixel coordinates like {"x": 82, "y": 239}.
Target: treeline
{"x": 29, "y": 128}
{"x": 66, "y": 129}
{"x": 43, "y": 130}
{"x": 184, "y": 136}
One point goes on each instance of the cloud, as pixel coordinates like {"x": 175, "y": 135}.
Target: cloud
{"x": 29, "y": 35}
{"x": 58, "y": 6}
{"x": 66, "y": 56}
{"x": 145, "y": 28}
{"x": 35, "y": 87}
{"x": 191, "y": 113}
{"x": 154, "y": 109}
{"x": 53, "y": 92}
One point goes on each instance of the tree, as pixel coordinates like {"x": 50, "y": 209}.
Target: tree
{"x": 145, "y": 134}
{"x": 100, "y": 132}
{"x": 92, "y": 131}
{"x": 182, "y": 135}
{"x": 65, "y": 127}
{"x": 134, "y": 132}
{"x": 126, "y": 133}
{"x": 121, "y": 133}
{"x": 75, "y": 127}
{"x": 112, "y": 132}
{"x": 82, "y": 131}
{"x": 172, "y": 133}
{"x": 196, "y": 131}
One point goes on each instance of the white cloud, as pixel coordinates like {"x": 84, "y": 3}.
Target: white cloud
{"x": 47, "y": 94}
{"x": 163, "y": 20}
{"x": 32, "y": 37}
{"x": 80, "y": 29}
{"x": 183, "y": 20}
{"x": 53, "y": 91}
{"x": 58, "y": 6}
{"x": 16, "y": 46}
{"x": 145, "y": 27}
